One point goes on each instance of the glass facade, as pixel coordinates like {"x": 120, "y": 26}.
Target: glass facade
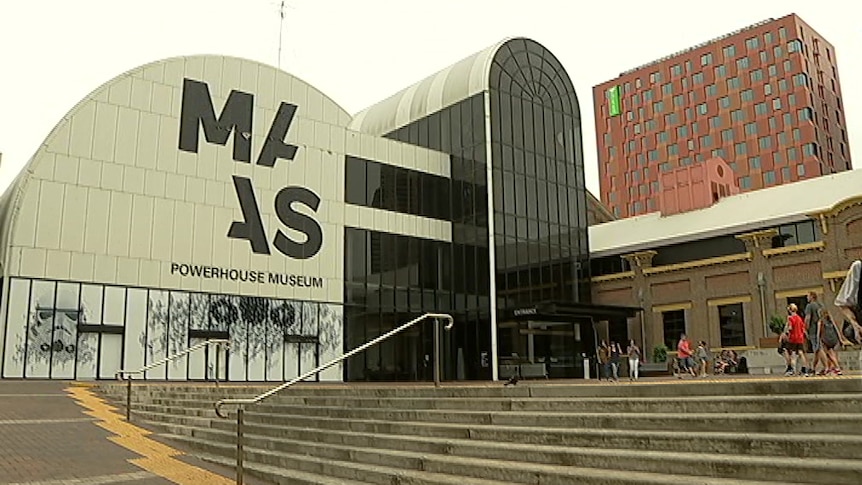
{"x": 68, "y": 330}
{"x": 539, "y": 215}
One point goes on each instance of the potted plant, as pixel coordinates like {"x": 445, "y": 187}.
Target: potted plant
{"x": 659, "y": 353}
{"x": 776, "y": 326}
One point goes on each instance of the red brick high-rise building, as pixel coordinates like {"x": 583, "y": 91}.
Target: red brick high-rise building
{"x": 765, "y": 98}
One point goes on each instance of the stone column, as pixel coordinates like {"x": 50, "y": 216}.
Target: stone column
{"x": 755, "y": 242}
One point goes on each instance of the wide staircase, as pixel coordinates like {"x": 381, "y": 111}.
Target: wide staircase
{"x": 711, "y": 431}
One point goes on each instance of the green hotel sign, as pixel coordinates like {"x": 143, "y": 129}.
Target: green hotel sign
{"x": 614, "y": 101}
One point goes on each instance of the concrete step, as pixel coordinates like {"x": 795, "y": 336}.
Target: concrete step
{"x": 465, "y": 471}
{"x": 807, "y": 403}
{"x": 756, "y": 444}
{"x": 282, "y": 476}
{"x": 716, "y": 386}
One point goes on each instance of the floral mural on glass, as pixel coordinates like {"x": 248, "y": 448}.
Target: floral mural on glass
{"x": 271, "y": 339}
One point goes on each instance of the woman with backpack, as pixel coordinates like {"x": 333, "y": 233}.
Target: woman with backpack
{"x": 830, "y": 337}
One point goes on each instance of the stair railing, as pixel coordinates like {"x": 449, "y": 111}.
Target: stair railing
{"x": 127, "y": 374}
{"x": 241, "y": 403}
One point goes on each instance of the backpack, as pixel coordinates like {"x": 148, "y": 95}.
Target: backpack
{"x": 830, "y": 334}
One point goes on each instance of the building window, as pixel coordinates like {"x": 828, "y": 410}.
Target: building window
{"x": 711, "y": 90}
{"x": 678, "y": 101}
{"x": 652, "y": 155}
{"x": 718, "y": 152}
{"x": 767, "y": 89}
{"x": 671, "y": 119}
{"x": 751, "y": 128}
{"x": 747, "y": 95}
{"x": 667, "y": 88}
{"x": 782, "y": 85}
{"x": 800, "y": 169}
{"x": 729, "y": 52}
{"x": 804, "y": 232}
{"x": 720, "y": 71}
{"x": 809, "y": 149}
{"x": 756, "y": 75}
{"x": 797, "y": 134}
{"x": 684, "y": 161}
{"x": 767, "y": 38}
{"x": 752, "y": 43}
{"x": 776, "y": 103}
{"x": 800, "y": 79}
{"x": 727, "y": 135}
{"x": 777, "y": 158}
{"x": 715, "y": 122}
{"x": 773, "y": 71}
{"x": 672, "y": 150}
{"x": 701, "y": 108}
{"x": 647, "y": 95}
{"x": 733, "y": 83}
{"x": 731, "y": 324}
{"x": 676, "y": 70}
{"x": 791, "y": 99}
{"x": 760, "y": 109}
{"x": 764, "y": 57}
{"x": 745, "y": 182}
{"x": 697, "y": 78}
{"x": 706, "y": 141}
{"x": 742, "y": 63}
{"x": 664, "y": 167}
{"x": 785, "y": 174}
{"x": 682, "y": 131}
{"x": 658, "y": 106}
{"x": 661, "y": 137}
{"x": 737, "y": 115}
{"x": 782, "y": 33}
{"x": 754, "y": 162}
{"x": 768, "y": 177}
{"x": 787, "y": 119}
{"x": 782, "y": 139}
{"x": 706, "y": 59}
{"x": 788, "y": 66}
{"x": 764, "y": 142}
{"x": 791, "y": 157}
{"x": 724, "y": 102}
{"x": 777, "y": 52}
{"x": 794, "y": 45}
{"x": 739, "y": 148}
{"x": 673, "y": 323}
{"x": 804, "y": 114}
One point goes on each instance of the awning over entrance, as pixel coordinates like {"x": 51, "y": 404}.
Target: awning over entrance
{"x": 568, "y": 311}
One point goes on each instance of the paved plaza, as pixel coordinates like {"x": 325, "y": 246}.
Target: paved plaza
{"x": 54, "y": 433}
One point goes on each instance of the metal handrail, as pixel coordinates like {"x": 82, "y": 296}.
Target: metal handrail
{"x": 218, "y": 342}
{"x": 241, "y": 403}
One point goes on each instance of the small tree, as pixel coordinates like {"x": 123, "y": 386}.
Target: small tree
{"x": 776, "y": 324}
{"x": 659, "y": 353}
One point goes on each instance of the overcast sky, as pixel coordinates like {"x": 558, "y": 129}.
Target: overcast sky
{"x": 54, "y": 52}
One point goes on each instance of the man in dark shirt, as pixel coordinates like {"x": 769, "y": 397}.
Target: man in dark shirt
{"x": 812, "y": 317}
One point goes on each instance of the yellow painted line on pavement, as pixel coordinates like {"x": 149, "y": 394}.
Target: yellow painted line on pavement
{"x": 156, "y": 458}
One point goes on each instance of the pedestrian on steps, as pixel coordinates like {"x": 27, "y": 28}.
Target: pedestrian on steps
{"x": 795, "y": 333}
{"x": 634, "y": 353}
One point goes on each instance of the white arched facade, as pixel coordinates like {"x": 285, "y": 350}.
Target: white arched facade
{"x": 150, "y": 220}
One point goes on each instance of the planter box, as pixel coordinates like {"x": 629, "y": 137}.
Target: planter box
{"x": 768, "y": 343}
{"x": 655, "y": 369}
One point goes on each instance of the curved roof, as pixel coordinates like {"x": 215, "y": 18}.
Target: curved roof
{"x": 444, "y": 88}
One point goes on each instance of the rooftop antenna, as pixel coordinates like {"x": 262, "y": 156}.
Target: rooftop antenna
{"x": 280, "y": 30}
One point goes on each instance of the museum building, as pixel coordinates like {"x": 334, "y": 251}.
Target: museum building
{"x": 214, "y": 197}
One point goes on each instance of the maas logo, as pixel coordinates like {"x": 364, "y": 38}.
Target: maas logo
{"x": 236, "y": 117}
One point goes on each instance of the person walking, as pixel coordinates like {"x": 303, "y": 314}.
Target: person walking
{"x": 616, "y": 352}
{"x": 702, "y": 354}
{"x": 795, "y": 332}
{"x": 683, "y": 354}
{"x": 604, "y": 353}
{"x": 634, "y": 353}
{"x": 812, "y": 327}
{"x": 848, "y": 299}
{"x": 830, "y": 338}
